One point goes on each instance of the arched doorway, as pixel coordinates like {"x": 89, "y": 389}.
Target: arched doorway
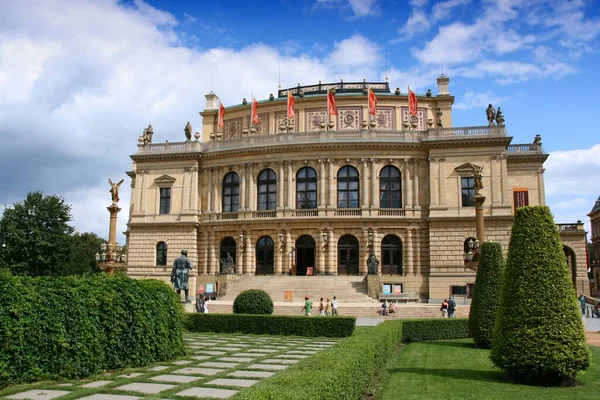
{"x": 228, "y": 249}
{"x": 265, "y": 252}
{"x": 391, "y": 255}
{"x": 305, "y": 254}
{"x": 348, "y": 255}
{"x": 571, "y": 263}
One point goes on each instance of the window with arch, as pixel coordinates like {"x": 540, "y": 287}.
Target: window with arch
{"x": 267, "y": 190}
{"x": 306, "y": 188}
{"x": 161, "y": 253}
{"x": 390, "y": 187}
{"x": 231, "y": 192}
{"x": 347, "y": 187}
{"x": 265, "y": 255}
{"x": 391, "y": 254}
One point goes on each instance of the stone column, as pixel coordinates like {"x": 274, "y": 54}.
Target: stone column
{"x": 417, "y": 259}
{"x": 432, "y": 182}
{"x": 141, "y": 189}
{"x": 332, "y": 186}
{"x": 290, "y": 184}
{"x": 217, "y": 190}
{"x": 288, "y": 252}
{"x": 205, "y": 255}
{"x": 441, "y": 182}
{"x": 321, "y": 249}
{"x": 542, "y": 190}
{"x": 506, "y": 199}
{"x": 213, "y": 266}
{"x": 185, "y": 190}
{"x": 279, "y": 254}
{"x": 364, "y": 251}
{"x": 416, "y": 188}
{"x": 209, "y": 182}
{"x": 322, "y": 188}
{"x": 479, "y": 224}
{"x": 242, "y": 187}
{"x": 493, "y": 181}
{"x": 250, "y": 266}
{"x": 144, "y": 191}
{"x": 407, "y": 173}
{"x": 409, "y": 253}
{"x": 374, "y": 184}
{"x": 331, "y": 249}
{"x": 364, "y": 182}
{"x": 280, "y": 187}
{"x": 113, "y": 209}
{"x": 195, "y": 189}
{"x": 251, "y": 205}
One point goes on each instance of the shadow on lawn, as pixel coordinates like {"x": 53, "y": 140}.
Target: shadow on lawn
{"x": 466, "y": 374}
{"x": 452, "y": 343}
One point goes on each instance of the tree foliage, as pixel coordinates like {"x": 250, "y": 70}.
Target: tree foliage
{"x": 486, "y": 297}
{"x": 253, "y": 301}
{"x": 539, "y": 334}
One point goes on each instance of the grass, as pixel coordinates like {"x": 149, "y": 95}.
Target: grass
{"x": 455, "y": 369}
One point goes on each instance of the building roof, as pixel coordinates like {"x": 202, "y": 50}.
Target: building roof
{"x": 596, "y": 206}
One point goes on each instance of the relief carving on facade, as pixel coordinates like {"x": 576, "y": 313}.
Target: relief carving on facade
{"x": 233, "y": 129}
{"x": 282, "y": 120}
{"x": 349, "y": 119}
{"x": 420, "y": 119}
{"x": 384, "y": 119}
{"x": 262, "y": 128}
{"x": 314, "y": 119}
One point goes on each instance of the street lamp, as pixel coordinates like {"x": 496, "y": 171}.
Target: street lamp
{"x": 109, "y": 259}
{"x": 472, "y": 254}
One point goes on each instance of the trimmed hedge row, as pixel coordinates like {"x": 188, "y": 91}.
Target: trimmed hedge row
{"x": 72, "y": 327}
{"x": 435, "y": 329}
{"x": 344, "y": 371}
{"x": 270, "y": 324}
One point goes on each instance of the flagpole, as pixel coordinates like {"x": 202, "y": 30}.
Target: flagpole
{"x": 328, "y": 116}
{"x": 368, "y": 108}
{"x": 252, "y": 112}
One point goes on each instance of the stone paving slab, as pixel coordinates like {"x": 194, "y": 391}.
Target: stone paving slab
{"x": 208, "y": 392}
{"x": 181, "y": 362}
{"x": 279, "y": 361}
{"x": 96, "y": 384}
{"x": 131, "y": 375}
{"x": 64, "y": 384}
{"x": 268, "y": 367}
{"x": 39, "y": 394}
{"x": 254, "y": 355}
{"x": 148, "y": 388}
{"x": 236, "y": 359}
{"x": 198, "y": 371}
{"x": 294, "y": 356}
{"x": 211, "y": 353}
{"x": 262, "y": 351}
{"x": 200, "y": 358}
{"x": 227, "y": 348}
{"x": 109, "y": 397}
{"x": 159, "y": 368}
{"x": 175, "y": 378}
{"x": 301, "y": 352}
{"x": 213, "y": 364}
{"x": 233, "y": 382}
{"x": 252, "y": 374}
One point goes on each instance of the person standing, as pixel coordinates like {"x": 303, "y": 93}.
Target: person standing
{"x": 444, "y": 308}
{"x": 451, "y": 307}
{"x": 334, "y": 306}
{"x": 582, "y": 303}
{"x": 200, "y": 303}
{"x": 307, "y": 307}
{"x": 180, "y": 275}
{"x": 321, "y": 307}
{"x": 328, "y": 307}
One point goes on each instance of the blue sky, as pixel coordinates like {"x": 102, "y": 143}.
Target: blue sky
{"x": 79, "y": 80}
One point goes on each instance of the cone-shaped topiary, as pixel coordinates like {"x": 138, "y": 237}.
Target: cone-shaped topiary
{"x": 253, "y": 301}
{"x": 538, "y": 334}
{"x": 486, "y": 296}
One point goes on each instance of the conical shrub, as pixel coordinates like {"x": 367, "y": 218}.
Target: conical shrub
{"x": 538, "y": 334}
{"x": 486, "y": 296}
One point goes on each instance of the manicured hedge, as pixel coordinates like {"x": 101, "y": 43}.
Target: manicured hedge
{"x": 345, "y": 371}
{"x": 253, "y": 301}
{"x": 71, "y": 327}
{"x": 486, "y": 298}
{"x": 271, "y": 324}
{"x": 538, "y": 334}
{"x": 435, "y": 329}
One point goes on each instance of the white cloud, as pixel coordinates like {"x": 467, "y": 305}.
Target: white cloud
{"x": 190, "y": 18}
{"x": 479, "y": 100}
{"x": 417, "y": 23}
{"x": 355, "y": 55}
{"x": 443, "y": 9}
{"x": 358, "y": 8}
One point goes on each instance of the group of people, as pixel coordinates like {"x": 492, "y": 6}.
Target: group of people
{"x": 448, "y": 308}
{"x": 202, "y": 303}
{"x": 330, "y": 307}
{"x": 387, "y": 308}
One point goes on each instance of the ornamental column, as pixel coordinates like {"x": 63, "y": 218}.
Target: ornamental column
{"x": 331, "y": 248}
{"x": 321, "y": 251}
{"x": 204, "y": 269}
{"x": 409, "y": 253}
{"x": 416, "y": 191}
{"x": 364, "y": 201}
{"x": 250, "y": 205}
{"x": 374, "y": 185}
{"x": 290, "y": 186}
{"x": 242, "y": 187}
{"x": 212, "y": 266}
{"x": 322, "y": 189}
{"x": 332, "y": 187}
{"x": 279, "y": 253}
{"x": 209, "y": 182}
{"x": 281, "y": 184}
{"x": 408, "y": 181}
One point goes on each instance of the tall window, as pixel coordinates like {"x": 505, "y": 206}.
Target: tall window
{"x": 265, "y": 254}
{"x": 165, "y": 200}
{"x": 231, "y": 192}
{"x": 390, "y": 188}
{"x": 468, "y": 191}
{"x": 521, "y": 197}
{"x": 347, "y": 187}
{"x": 391, "y": 254}
{"x": 306, "y": 188}
{"x": 161, "y": 253}
{"x": 267, "y": 190}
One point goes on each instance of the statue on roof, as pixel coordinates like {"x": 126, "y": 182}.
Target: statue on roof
{"x": 438, "y": 113}
{"x": 188, "y": 131}
{"x": 146, "y": 136}
{"x": 114, "y": 190}
{"x": 491, "y": 114}
{"x": 499, "y": 117}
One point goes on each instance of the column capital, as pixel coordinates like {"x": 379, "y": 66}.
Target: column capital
{"x": 321, "y": 161}
{"x": 331, "y": 160}
{"x": 364, "y": 160}
{"x": 374, "y": 160}
{"x": 541, "y": 170}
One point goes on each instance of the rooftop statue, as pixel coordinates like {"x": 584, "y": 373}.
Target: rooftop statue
{"x": 188, "y": 131}
{"x": 499, "y": 117}
{"x": 491, "y": 114}
{"x": 114, "y": 190}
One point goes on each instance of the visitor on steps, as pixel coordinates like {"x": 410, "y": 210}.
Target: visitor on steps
{"x": 334, "y": 306}
{"x": 307, "y": 307}
{"x": 451, "y": 307}
{"x": 321, "y": 307}
{"x": 328, "y": 307}
{"x": 384, "y": 309}
{"x": 391, "y": 308}
{"x": 444, "y": 308}
{"x": 200, "y": 303}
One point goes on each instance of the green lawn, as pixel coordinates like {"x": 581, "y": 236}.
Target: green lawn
{"x": 455, "y": 369}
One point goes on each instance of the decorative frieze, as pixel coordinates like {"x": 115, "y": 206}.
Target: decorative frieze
{"x": 349, "y": 119}
{"x": 233, "y": 129}
{"x": 384, "y": 119}
{"x": 315, "y": 120}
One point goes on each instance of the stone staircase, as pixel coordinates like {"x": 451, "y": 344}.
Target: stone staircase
{"x": 347, "y": 289}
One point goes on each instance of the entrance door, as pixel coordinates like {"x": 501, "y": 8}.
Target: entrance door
{"x": 264, "y": 256}
{"x": 348, "y": 255}
{"x": 305, "y": 254}
{"x": 391, "y": 254}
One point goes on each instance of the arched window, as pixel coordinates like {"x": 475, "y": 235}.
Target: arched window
{"x": 390, "y": 188}
{"x": 347, "y": 187}
{"x": 391, "y": 254}
{"x": 306, "y": 188}
{"x": 228, "y": 250}
{"x": 265, "y": 253}
{"x": 267, "y": 190}
{"x": 231, "y": 192}
{"x": 161, "y": 253}
{"x": 347, "y": 255}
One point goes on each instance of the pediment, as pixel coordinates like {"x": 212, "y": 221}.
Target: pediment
{"x": 165, "y": 180}
{"x": 467, "y": 168}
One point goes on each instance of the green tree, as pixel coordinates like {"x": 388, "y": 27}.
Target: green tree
{"x": 486, "y": 296}
{"x": 539, "y": 334}
{"x": 84, "y": 247}
{"x": 37, "y": 235}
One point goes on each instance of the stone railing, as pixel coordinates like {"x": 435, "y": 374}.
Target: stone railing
{"x": 574, "y": 227}
{"x": 175, "y": 147}
{"x": 529, "y": 148}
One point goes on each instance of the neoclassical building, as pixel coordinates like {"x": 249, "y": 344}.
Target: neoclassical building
{"x": 595, "y": 254}
{"x": 316, "y": 195}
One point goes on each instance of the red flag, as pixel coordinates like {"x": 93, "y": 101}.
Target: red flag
{"x": 221, "y": 115}
{"x": 255, "y": 119}
{"x": 331, "y": 103}
{"x": 290, "y": 105}
{"x": 413, "y": 104}
{"x": 372, "y": 103}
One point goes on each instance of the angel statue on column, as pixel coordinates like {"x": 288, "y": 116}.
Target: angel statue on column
{"x": 114, "y": 190}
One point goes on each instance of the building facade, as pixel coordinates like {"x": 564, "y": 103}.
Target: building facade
{"x": 595, "y": 253}
{"x": 317, "y": 194}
